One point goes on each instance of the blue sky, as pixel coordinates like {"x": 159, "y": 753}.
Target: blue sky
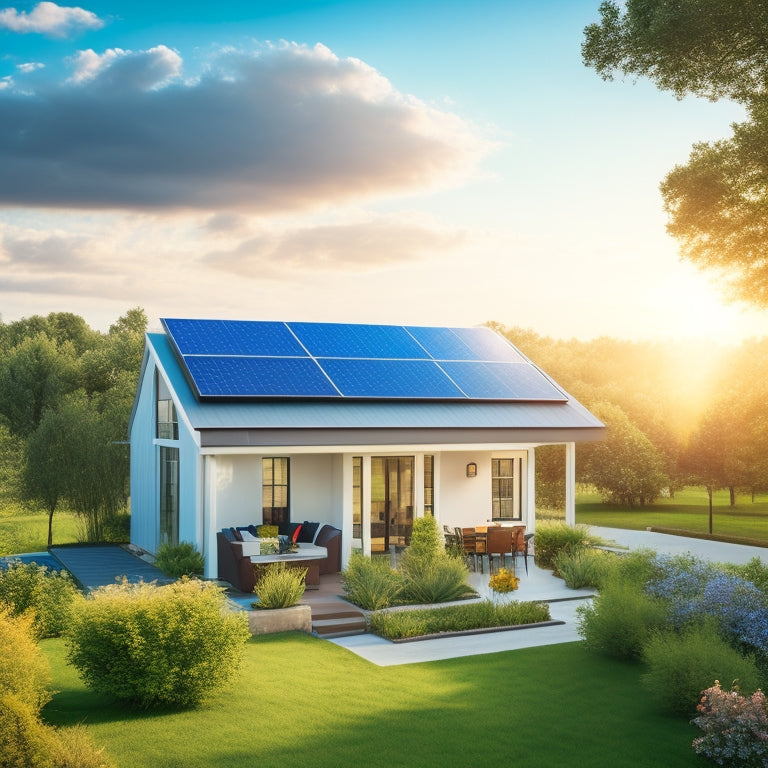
{"x": 410, "y": 162}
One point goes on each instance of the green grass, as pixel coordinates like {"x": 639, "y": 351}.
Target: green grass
{"x": 688, "y": 511}
{"x": 307, "y": 703}
{"x": 23, "y": 530}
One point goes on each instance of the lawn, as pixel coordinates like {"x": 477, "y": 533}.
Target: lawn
{"x": 22, "y": 530}
{"x": 689, "y": 511}
{"x": 307, "y": 703}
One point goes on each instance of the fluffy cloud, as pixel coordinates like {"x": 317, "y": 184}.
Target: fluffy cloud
{"x": 44, "y": 253}
{"x": 49, "y": 19}
{"x": 347, "y": 247}
{"x": 285, "y": 128}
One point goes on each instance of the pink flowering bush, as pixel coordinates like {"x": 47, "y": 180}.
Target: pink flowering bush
{"x": 735, "y": 728}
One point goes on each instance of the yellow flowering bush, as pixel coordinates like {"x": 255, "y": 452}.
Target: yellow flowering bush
{"x": 504, "y": 581}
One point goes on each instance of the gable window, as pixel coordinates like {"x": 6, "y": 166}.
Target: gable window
{"x": 274, "y": 490}
{"x": 503, "y": 490}
{"x": 167, "y": 422}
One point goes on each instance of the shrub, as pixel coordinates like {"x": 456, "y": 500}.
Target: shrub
{"x": 682, "y": 664}
{"x": 24, "y": 741}
{"x": 735, "y": 728}
{"x": 74, "y": 749}
{"x": 279, "y": 586}
{"x": 177, "y": 560}
{"x": 435, "y": 581}
{"x": 157, "y": 646}
{"x": 638, "y": 566}
{"x": 426, "y": 541}
{"x": 24, "y": 672}
{"x": 47, "y": 594}
{"x": 371, "y": 584}
{"x": 620, "y": 620}
{"x": 554, "y": 536}
{"x": 582, "y": 567}
{"x": 396, "y": 625}
{"x": 754, "y": 571}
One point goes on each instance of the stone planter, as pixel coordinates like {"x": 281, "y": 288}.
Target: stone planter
{"x": 297, "y": 618}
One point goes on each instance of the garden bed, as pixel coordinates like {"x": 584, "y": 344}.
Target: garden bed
{"x": 479, "y": 631}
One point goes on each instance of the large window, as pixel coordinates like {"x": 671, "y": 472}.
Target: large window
{"x": 357, "y": 497}
{"x": 167, "y": 427}
{"x": 274, "y": 490}
{"x": 169, "y": 495}
{"x": 429, "y": 485}
{"x": 503, "y": 490}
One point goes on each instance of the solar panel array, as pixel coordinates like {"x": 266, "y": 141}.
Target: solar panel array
{"x": 235, "y": 359}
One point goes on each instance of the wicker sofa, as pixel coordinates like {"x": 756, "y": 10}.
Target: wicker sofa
{"x": 237, "y": 568}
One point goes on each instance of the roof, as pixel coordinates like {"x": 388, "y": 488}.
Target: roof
{"x": 355, "y": 422}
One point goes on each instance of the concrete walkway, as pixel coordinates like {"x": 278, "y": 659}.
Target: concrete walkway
{"x": 540, "y": 585}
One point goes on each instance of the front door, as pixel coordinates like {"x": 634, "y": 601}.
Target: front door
{"x": 391, "y": 501}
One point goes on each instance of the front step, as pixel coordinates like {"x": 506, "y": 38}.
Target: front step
{"x": 337, "y": 619}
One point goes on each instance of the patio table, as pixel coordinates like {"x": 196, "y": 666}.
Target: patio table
{"x": 308, "y": 556}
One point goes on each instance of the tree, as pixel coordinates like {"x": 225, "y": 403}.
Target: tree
{"x": 45, "y": 475}
{"x": 718, "y": 202}
{"x": 34, "y": 376}
{"x": 626, "y": 468}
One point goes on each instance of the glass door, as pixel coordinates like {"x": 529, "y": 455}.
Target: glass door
{"x": 391, "y": 501}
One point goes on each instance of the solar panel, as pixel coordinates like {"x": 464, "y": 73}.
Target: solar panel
{"x": 391, "y": 342}
{"x": 419, "y": 379}
{"x": 251, "y": 359}
{"x": 233, "y": 337}
{"x": 488, "y": 346}
{"x": 258, "y": 377}
{"x": 501, "y": 381}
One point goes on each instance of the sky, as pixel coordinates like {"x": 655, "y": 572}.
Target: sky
{"x": 419, "y": 162}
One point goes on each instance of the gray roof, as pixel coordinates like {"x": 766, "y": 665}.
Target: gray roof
{"x": 283, "y": 422}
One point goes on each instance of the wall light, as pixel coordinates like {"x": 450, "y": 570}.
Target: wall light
{"x": 471, "y": 469}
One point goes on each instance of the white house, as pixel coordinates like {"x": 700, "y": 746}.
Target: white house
{"x": 359, "y": 426}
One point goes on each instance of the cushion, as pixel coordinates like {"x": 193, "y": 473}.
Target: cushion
{"x": 308, "y": 531}
{"x": 253, "y": 531}
{"x": 287, "y": 529}
{"x": 296, "y": 532}
{"x": 236, "y": 534}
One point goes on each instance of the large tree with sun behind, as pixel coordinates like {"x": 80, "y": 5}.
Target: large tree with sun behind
{"x": 716, "y": 49}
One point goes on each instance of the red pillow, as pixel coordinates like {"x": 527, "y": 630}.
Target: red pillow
{"x": 296, "y": 534}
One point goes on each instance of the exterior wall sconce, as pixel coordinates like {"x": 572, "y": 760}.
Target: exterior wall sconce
{"x": 471, "y": 469}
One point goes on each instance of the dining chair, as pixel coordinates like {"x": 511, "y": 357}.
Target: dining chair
{"x": 474, "y": 546}
{"x": 499, "y": 542}
{"x": 520, "y": 541}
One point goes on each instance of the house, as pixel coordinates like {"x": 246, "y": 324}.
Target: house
{"x": 365, "y": 427}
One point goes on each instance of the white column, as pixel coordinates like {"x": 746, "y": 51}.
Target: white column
{"x": 365, "y": 528}
{"x": 210, "y": 550}
{"x": 418, "y": 485}
{"x": 347, "y": 477}
{"x": 530, "y": 491}
{"x": 570, "y": 483}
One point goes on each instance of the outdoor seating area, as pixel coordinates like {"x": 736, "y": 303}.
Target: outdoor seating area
{"x": 490, "y": 542}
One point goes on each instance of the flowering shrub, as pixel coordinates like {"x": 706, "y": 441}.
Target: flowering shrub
{"x": 504, "y": 581}
{"x": 680, "y": 579}
{"x": 735, "y": 728}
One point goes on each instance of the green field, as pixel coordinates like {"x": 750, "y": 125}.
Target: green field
{"x": 688, "y": 511}
{"x": 22, "y": 530}
{"x": 307, "y": 703}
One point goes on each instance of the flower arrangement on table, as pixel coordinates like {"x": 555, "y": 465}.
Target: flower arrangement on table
{"x": 503, "y": 582}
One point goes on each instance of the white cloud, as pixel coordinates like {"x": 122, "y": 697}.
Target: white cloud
{"x": 126, "y": 70}
{"x": 285, "y": 128}
{"x": 5, "y": 82}
{"x": 30, "y": 66}
{"x": 49, "y": 19}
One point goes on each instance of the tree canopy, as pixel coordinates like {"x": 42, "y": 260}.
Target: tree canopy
{"x": 717, "y": 49}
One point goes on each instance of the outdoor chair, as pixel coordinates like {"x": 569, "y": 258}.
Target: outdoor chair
{"x": 473, "y": 545}
{"x": 499, "y": 542}
{"x": 520, "y": 543}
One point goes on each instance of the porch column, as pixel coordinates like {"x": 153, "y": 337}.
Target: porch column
{"x": 347, "y": 476}
{"x": 365, "y": 532}
{"x": 530, "y": 491}
{"x": 418, "y": 485}
{"x": 210, "y": 550}
{"x": 570, "y": 483}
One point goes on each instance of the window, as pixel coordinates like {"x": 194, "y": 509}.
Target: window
{"x": 169, "y": 495}
{"x": 274, "y": 491}
{"x": 167, "y": 427}
{"x": 503, "y": 490}
{"x": 429, "y": 485}
{"x": 357, "y": 497}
